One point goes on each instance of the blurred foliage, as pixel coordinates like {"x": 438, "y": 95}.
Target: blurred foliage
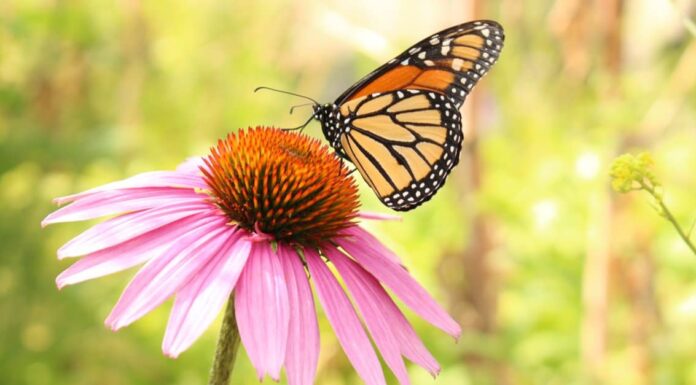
{"x": 573, "y": 284}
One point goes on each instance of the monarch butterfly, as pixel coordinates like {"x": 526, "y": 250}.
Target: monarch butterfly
{"x": 400, "y": 125}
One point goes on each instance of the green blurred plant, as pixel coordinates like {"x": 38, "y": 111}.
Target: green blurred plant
{"x": 634, "y": 173}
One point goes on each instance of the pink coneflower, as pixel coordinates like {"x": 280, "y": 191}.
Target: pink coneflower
{"x": 262, "y": 216}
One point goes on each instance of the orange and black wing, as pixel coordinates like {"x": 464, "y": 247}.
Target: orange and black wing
{"x": 449, "y": 62}
{"x": 400, "y": 125}
{"x": 404, "y": 143}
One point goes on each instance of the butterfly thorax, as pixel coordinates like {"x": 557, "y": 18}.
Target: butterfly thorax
{"x": 331, "y": 124}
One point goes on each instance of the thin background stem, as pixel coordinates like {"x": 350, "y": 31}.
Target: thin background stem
{"x": 668, "y": 215}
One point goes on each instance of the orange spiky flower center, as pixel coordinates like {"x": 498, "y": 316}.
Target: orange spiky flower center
{"x": 281, "y": 183}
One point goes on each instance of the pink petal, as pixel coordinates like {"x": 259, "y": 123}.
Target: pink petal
{"x": 362, "y": 286}
{"x": 128, "y": 226}
{"x": 263, "y": 313}
{"x": 191, "y": 165}
{"x": 344, "y": 321}
{"x": 172, "y": 179}
{"x": 130, "y": 253}
{"x": 120, "y": 201}
{"x": 400, "y": 282}
{"x": 163, "y": 276}
{"x": 411, "y": 345}
{"x": 367, "y": 291}
{"x": 368, "y": 240}
{"x": 302, "y": 354}
{"x": 378, "y": 216}
{"x": 200, "y": 300}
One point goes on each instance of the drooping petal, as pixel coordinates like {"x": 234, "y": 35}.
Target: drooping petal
{"x": 358, "y": 234}
{"x": 344, "y": 321}
{"x": 163, "y": 276}
{"x": 302, "y": 354}
{"x": 148, "y": 179}
{"x": 401, "y": 283}
{"x": 200, "y": 300}
{"x": 121, "y": 201}
{"x": 375, "y": 303}
{"x": 128, "y": 226}
{"x": 411, "y": 345}
{"x": 361, "y": 286}
{"x": 130, "y": 253}
{"x": 262, "y": 309}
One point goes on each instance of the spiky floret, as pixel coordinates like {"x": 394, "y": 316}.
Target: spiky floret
{"x": 282, "y": 184}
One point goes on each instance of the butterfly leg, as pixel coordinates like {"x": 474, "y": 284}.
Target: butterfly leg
{"x": 300, "y": 127}
{"x": 343, "y": 163}
{"x": 342, "y": 157}
{"x": 349, "y": 171}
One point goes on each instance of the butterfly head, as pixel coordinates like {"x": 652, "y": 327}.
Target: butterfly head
{"x": 329, "y": 117}
{"x": 321, "y": 111}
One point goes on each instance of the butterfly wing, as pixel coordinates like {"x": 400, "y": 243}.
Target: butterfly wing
{"x": 404, "y": 143}
{"x": 449, "y": 62}
{"x": 400, "y": 125}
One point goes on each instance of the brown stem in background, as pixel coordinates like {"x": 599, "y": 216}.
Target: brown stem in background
{"x": 602, "y": 206}
{"x": 595, "y": 281}
{"x": 134, "y": 50}
{"x": 474, "y": 292}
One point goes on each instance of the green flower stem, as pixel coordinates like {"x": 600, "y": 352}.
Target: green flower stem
{"x": 227, "y": 347}
{"x": 668, "y": 214}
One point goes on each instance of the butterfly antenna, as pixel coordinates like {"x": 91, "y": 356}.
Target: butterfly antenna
{"x": 286, "y": 92}
{"x": 299, "y": 105}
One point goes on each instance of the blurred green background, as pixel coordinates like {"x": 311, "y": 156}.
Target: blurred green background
{"x": 554, "y": 278}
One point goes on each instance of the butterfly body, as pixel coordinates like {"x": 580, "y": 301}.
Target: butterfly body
{"x": 331, "y": 126}
{"x": 400, "y": 125}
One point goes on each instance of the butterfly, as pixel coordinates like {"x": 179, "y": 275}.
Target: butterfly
{"x": 400, "y": 125}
